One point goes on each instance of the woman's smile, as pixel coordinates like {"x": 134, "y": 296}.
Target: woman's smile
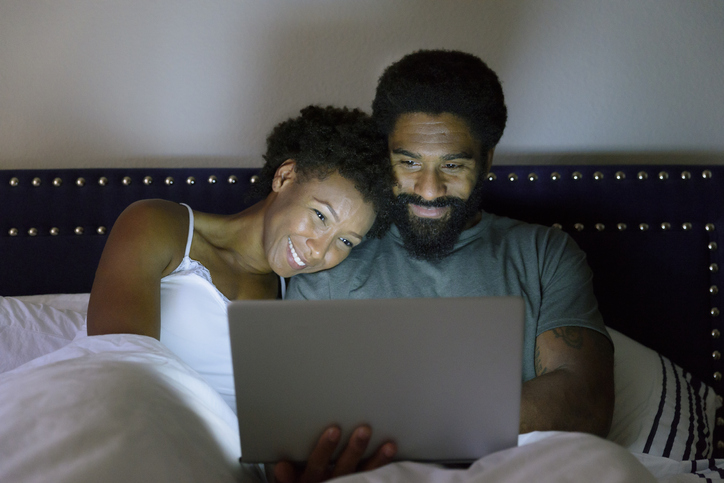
{"x": 294, "y": 259}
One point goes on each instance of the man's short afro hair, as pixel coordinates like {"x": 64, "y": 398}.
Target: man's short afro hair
{"x": 328, "y": 140}
{"x": 438, "y": 81}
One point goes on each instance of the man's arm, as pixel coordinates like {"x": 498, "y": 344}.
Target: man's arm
{"x": 573, "y": 388}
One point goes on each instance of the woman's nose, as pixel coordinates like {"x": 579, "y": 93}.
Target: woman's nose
{"x": 319, "y": 245}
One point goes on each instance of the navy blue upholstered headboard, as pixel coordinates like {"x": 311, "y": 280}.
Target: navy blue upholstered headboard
{"x": 653, "y": 234}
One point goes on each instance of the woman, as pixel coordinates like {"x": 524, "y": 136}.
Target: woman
{"x": 168, "y": 272}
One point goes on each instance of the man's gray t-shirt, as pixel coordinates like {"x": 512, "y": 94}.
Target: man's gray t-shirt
{"x": 498, "y": 256}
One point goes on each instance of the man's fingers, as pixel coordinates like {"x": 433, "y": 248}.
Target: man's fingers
{"x": 382, "y": 456}
{"x": 318, "y": 463}
{"x": 285, "y": 472}
{"x": 352, "y": 454}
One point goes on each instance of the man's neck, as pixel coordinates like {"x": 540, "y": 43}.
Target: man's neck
{"x": 474, "y": 220}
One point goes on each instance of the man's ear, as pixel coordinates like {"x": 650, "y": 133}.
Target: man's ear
{"x": 285, "y": 173}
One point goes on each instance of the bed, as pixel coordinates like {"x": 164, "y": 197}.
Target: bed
{"x": 75, "y": 408}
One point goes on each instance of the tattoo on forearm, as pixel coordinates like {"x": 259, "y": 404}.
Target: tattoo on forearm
{"x": 539, "y": 369}
{"x": 572, "y": 336}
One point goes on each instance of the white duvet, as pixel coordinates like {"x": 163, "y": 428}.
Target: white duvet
{"x": 124, "y": 408}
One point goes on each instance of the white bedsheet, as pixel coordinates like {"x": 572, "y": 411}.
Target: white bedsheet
{"x": 124, "y": 408}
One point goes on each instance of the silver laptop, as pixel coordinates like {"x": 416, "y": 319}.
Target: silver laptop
{"x": 439, "y": 376}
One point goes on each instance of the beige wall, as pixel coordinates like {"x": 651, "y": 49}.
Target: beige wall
{"x": 196, "y": 83}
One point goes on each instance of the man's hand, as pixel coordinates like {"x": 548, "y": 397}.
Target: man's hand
{"x": 319, "y": 466}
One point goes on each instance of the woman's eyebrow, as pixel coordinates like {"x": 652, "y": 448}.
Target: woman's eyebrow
{"x": 329, "y": 207}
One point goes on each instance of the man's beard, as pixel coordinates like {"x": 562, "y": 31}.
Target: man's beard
{"x": 433, "y": 239}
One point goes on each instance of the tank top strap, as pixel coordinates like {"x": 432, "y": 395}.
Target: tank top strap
{"x": 191, "y": 230}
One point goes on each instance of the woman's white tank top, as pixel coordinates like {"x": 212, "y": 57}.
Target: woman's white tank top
{"x": 194, "y": 323}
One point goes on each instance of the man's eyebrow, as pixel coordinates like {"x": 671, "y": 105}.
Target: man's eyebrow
{"x": 331, "y": 210}
{"x": 461, "y": 155}
{"x": 405, "y": 152}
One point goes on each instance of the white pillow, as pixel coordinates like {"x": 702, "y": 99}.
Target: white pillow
{"x": 660, "y": 408}
{"x": 29, "y": 330}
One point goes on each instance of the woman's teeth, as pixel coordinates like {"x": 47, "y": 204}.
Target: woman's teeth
{"x": 294, "y": 254}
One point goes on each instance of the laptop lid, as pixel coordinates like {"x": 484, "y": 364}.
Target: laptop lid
{"x": 439, "y": 376}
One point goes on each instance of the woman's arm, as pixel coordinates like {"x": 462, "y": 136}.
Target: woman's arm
{"x": 146, "y": 242}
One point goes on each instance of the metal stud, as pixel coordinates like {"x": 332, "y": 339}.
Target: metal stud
{"x": 642, "y": 175}
{"x": 663, "y": 175}
{"x": 621, "y": 226}
{"x": 712, "y": 246}
{"x": 598, "y": 176}
{"x": 715, "y": 334}
{"x": 600, "y": 226}
{"x": 126, "y": 181}
{"x": 190, "y": 181}
{"x": 57, "y": 182}
{"x": 512, "y": 177}
{"x": 80, "y": 182}
{"x": 232, "y": 179}
{"x": 720, "y": 444}
{"x": 666, "y": 226}
{"x": 716, "y": 355}
{"x": 713, "y": 290}
{"x": 168, "y": 181}
{"x": 14, "y": 182}
{"x": 212, "y": 179}
{"x": 714, "y": 312}
{"x": 54, "y": 231}
{"x": 147, "y": 180}
{"x": 713, "y": 268}
{"x": 557, "y": 226}
{"x": 686, "y": 226}
{"x": 706, "y": 174}
{"x": 577, "y": 175}
{"x": 102, "y": 181}
{"x": 101, "y": 230}
{"x": 33, "y": 232}
{"x": 578, "y": 226}
{"x": 490, "y": 177}
{"x": 36, "y": 182}
{"x": 720, "y": 421}
{"x": 532, "y": 177}
{"x": 78, "y": 230}
{"x": 555, "y": 176}
{"x": 643, "y": 226}
{"x": 685, "y": 175}
{"x": 620, "y": 175}
{"x": 709, "y": 227}
{"x": 13, "y": 232}
{"x": 717, "y": 377}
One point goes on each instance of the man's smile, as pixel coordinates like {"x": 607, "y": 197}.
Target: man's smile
{"x": 428, "y": 212}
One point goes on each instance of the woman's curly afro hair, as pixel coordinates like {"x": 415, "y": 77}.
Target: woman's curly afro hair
{"x": 437, "y": 81}
{"x": 328, "y": 140}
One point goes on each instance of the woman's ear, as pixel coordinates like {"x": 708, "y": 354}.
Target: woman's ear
{"x": 285, "y": 173}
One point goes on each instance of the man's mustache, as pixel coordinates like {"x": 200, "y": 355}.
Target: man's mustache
{"x": 408, "y": 198}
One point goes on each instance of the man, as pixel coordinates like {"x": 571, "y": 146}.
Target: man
{"x": 444, "y": 113}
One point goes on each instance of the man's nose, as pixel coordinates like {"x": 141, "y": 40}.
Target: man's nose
{"x": 430, "y": 184}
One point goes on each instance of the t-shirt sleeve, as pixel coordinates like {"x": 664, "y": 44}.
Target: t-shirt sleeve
{"x": 567, "y": 297}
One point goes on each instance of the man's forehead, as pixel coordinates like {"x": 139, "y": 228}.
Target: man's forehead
{"x": 433, "y": 132}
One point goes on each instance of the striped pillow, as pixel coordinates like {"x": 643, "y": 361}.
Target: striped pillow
{"x": 660, "y": 408}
